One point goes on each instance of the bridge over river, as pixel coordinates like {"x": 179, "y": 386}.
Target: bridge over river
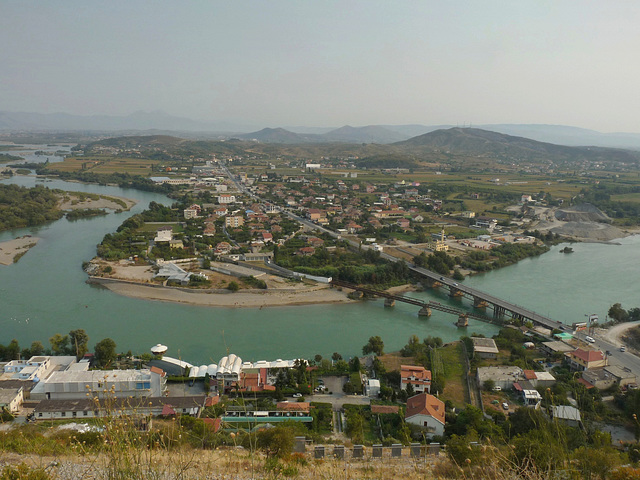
{"x": 480, "y": 300}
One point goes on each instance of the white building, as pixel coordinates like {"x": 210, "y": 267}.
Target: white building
{"x": 11, "y": 399}
{"x": 228, "y": 198}
{"x": 427, "y": 412}
{"x": 75, "y": 383}
{"x": 164, "y": 234}
{"x": 372, "y": 388}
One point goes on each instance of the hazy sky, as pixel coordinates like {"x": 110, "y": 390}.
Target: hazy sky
{"x": 327, "y": 63}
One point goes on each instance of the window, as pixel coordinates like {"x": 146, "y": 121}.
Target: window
{"x": 75, "y": 414}
{"x": 64, "y": 414}
{"x": 85, "y": 413}
{"x": 39, "y": 414}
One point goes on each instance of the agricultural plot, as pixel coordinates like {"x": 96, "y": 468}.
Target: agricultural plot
{"x": 106, "y": 165}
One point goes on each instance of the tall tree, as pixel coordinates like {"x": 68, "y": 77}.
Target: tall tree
{"x": 59, "y": 344}
{"x": 36, "y": 348}
{"x": 79, "y": 340}
{"x": 105, "y": 351}
{"x": 375, "y": 345}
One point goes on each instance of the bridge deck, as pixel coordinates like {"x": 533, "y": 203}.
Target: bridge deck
{"x": 413, "y": 301}
{"x": 498, "y": 304}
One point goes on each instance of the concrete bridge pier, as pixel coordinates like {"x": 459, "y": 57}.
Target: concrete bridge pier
{"x": 480, "y": 302}
{"x": 389, "y": 302}
{"x": 424, "y": 312}
{"x": 463, "y": 321}
{"x": 455, "y": 292}
{"x": 432, "y": 283}
{"x": 498, "y": 311}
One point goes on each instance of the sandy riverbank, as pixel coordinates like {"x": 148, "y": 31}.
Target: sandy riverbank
{"x": 71, "y": 201}
{"x": 12, "y": 250}
{"x": 242, "y": 299}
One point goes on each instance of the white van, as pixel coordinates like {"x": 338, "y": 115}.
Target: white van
{"x": 589, "y": 339}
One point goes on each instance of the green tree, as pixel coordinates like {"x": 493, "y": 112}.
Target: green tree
{"x": 374, "y": 345}
{"x": 36, "y": 348}
{"x": 617, "y": 313}
{"x": 233, "y": 286}
{"x": 79, "y": 340}
{"x": 105, "y": 351}
{"x": 59, "y": 344}
{"x": 12, "y": 351}
{"x": 277, "y": 441}
{"x": 354, "y": 364}
{"x": 336, "y": 356}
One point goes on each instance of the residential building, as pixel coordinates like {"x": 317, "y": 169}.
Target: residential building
{"x": 131, "y": 406}
{"x": 11, "y": 399}
{"x": 416, "y": 376}
{"x": 163, "y": 234}
{"x": 484, "y": 348}
{"x": 234, "y": 221}
{"x": 581, "y": 359}
{"x": 372, "y": 388}
{"x": 604, "y": 378}
{"x": 226, "y": 198}
{"x": 427, "y": 412}
{"x": 192, "y": 212}
{"x": 502, "y": 376}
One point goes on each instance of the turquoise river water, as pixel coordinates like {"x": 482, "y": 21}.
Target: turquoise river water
{"x": 45, "y": 293}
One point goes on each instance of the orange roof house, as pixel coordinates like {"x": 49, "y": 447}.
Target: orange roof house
{"x": 418, "y": 376}
{"x": 426, "y": 411}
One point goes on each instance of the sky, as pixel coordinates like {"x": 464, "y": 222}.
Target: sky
{"x": 327, "y": 63}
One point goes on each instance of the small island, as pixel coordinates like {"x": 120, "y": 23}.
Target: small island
{"x": 566, "y": 250}
{"x": 13, "y": 250}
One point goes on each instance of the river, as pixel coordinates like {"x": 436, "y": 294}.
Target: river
{"x": 45, "y": 293}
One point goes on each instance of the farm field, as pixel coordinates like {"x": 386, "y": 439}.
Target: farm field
{"x": 106, "y": 165}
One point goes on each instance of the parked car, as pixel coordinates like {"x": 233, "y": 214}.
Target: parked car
{"x": 505, "y": 406}
{"x": 497, "y": 388}
{"x": 297, "y": 395}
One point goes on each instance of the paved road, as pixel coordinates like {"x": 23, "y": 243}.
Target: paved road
{"x": 623, "y": 359}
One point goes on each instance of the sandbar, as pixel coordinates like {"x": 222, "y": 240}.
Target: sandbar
{"x": 241, "y": 299}
{"x": 11, "y": 249}
{"x": 102, "y": 202}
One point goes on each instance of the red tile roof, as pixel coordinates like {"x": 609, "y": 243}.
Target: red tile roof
{"x": 301, "y": 406}
{"x": 157, "y": 370}
{"x": 416, "y": 371}
{"x": 588, "y": 355}
{"x": 384, "y": 409}
{"x": 168, "y": 410}
{"x": 530, "y": 375}
{"x": 425, "y": 404}
{"x": 213, "y": 423}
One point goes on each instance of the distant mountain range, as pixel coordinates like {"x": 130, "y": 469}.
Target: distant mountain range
{"x": 346, "y": 134}
{"x": 476, "y": 142}
{"x": 162, "y": 123}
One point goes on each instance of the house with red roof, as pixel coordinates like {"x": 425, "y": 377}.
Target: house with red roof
{"x": 585, "y": 359}
{"x": 417, "y": 376}
{"x": 427, "y": 412}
